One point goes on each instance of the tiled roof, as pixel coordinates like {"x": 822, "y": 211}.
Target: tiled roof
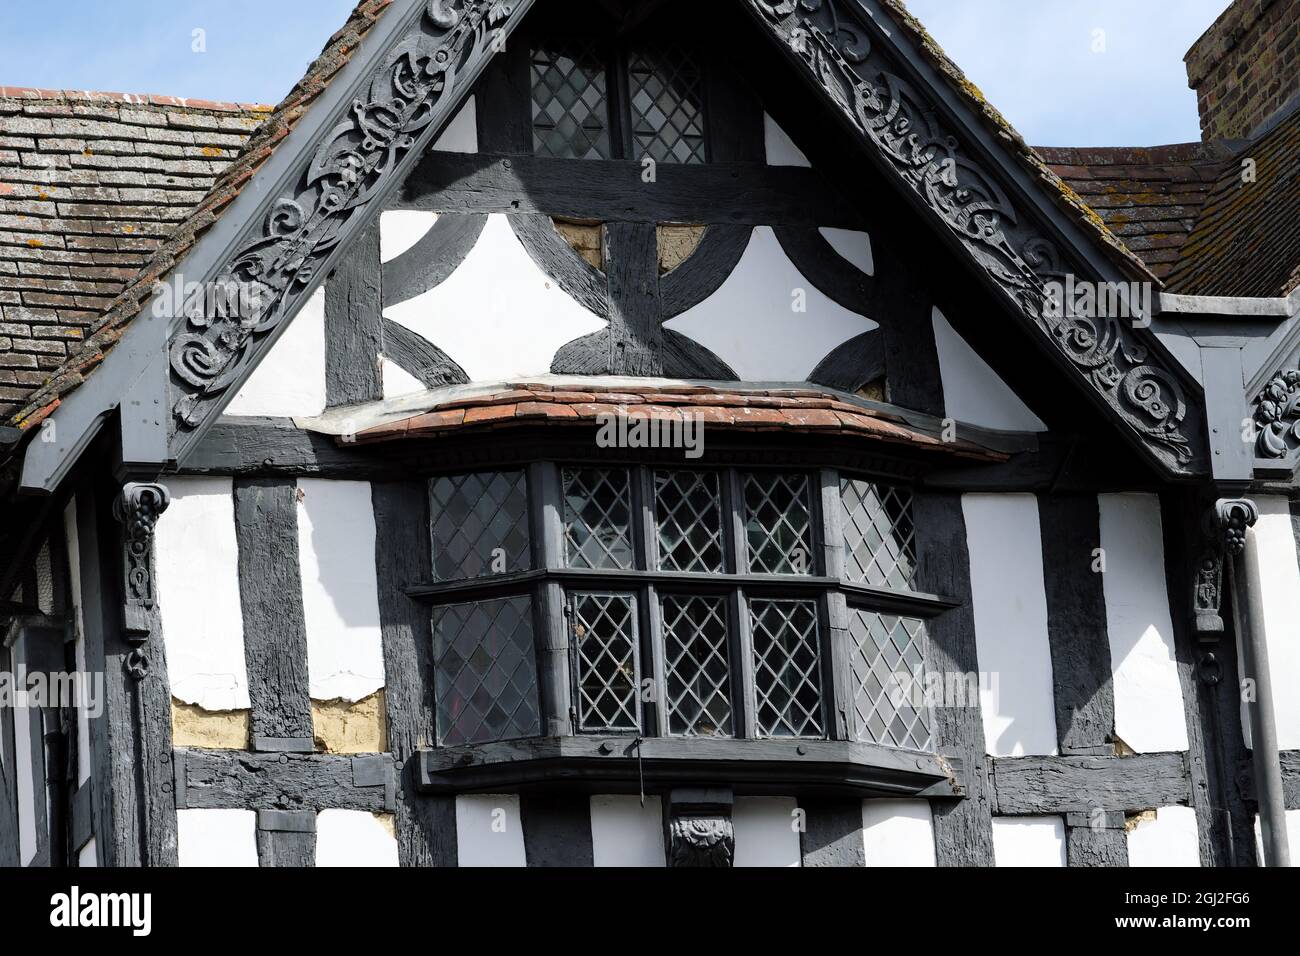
{"x": 787, "y": 409}
{"x": 1148, "y": 196}
{"x": 1246, "y": 241}
{"x": 114, "y": 314}
{"x": 90, "y": 183}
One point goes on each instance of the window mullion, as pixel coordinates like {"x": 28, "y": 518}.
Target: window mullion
{"x": 834, "y": 608}
{"x": 619, "y": 103}
{"x": 654, "y": 712}
{"x": 742, "y": 655}
{"x": 553, "y": 634}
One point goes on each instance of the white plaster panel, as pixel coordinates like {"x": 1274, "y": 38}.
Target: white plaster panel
{"x": 972, "y": 391}
{"x": 1148, "y": 697}
{"x": 1272, "y": 544}
{"x": 79, "y": 622}
{"x": 624, "y": 833}
{"x": 340, "y": 592}
{"x": 290, "y": 380}
{"x": 461, "y": 134}
{"x": 1029, "y": 841}
{"x": 1292, "y": 823}
{"x": 401, "y": 229}
{"x": 489, "y": 831}
{"x": 353, "y": 838}
{"x": 498, "y": 315}
{"x": 898, "y": 833}
{"x": 198, "y": 595}
{"x": 766, "y": 831}
{"x": 88, "y": 855}
{"x": 1168, "y": 840}
{"x": 24, "y": 769}
{"x": 216, "y": 837}
{"x": 750, "y": 322}
{"x": 781, "y": 150}
{"x": 1010, "y": 606}
{"x": 853, "y": 245}
{"x": 397, "y": 380}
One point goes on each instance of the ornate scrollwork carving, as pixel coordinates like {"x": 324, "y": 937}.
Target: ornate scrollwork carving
{"x": 934, "y": 163}
{"x": 279, "y": 262}
{"x": 137, "y": 507}
{"x": 1234, "y": 516}
{"x": 1277, "y": 415}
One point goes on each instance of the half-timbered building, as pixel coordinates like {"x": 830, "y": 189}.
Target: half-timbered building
{"x": 642, "y": 432}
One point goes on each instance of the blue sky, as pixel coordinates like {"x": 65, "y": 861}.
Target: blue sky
{"x": 1034, "y": 59}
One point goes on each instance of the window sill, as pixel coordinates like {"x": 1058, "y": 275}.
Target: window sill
{"x": 610, "y": 765}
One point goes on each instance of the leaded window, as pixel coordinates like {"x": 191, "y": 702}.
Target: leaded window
{"x": 639, "y": 99}
{"x": 706, "y": 601}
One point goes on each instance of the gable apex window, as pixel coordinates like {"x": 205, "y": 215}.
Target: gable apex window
{"x": 632, "y": 100}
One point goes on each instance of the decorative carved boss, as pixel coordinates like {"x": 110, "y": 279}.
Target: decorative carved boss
{"x": 408, "y": 97}
{"x": 832, "y": 43}
{"x": 1277, "y": 416}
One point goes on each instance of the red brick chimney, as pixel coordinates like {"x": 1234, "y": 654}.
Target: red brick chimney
{"x": 1245, "y": 67}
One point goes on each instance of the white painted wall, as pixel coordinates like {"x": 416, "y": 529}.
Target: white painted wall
{"x": 1168, "y": 840}
{"x": 498, "y": 315}
{"x": 216, "y": 837}
{"x": 88, "y": 855}
{"x": 489, "y": 831}
{"x": 198, "y": 594}
{"x": 853, "y": 245}
{"x": 79, "y": 622}
{"x": 24, "y": 768}
{"x": 766, "y": 831}
{"x": 1148, "y": 698}
{"x": 401, "y": 229}
{"x": 750, "y": 322}
{"x": 1272, "y": 550}
{"x": 1010, "y": 607}
{"x": 1029, "y": 841}
{"x": 461, "y": 134}
{"x": 290, "y": 381}
{"x": 624, "y": 833}
{"x": 340, "y": 593}
{"x": 972, "y": 391}
{"x": 397, "y": 380}
{"x": 353, "y": 838}
{"x": 898, "y": 833}
{"x": 781, "y": 150}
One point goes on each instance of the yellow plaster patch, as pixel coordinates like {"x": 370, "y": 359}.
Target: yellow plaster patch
{"x": 586, "y": 238}
{"x": 193, "y": 726}
{"x": 341, "y": 727}
{"x": 677, "y": 244}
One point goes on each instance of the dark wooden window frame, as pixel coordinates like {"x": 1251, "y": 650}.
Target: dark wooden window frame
{"x": 835, "y": 763}
{"x": 616, "y": 59}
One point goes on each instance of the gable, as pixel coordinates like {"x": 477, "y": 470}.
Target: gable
{"x": 414, "y": 75}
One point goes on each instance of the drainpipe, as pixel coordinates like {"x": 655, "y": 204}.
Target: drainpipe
{"x": 1236, "y": 516}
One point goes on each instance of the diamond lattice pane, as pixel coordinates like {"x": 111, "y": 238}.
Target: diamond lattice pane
{"x": 667, "y": 94}
{"x": 778, "y": 524}
{"x": 485, "y": 671}
{"x": 480, "y": 524}
{"x": 688, "y": 515}
{"x": 597, "y": 518}
{"x": 604, "y": 635}
{"x": 696, "y": 666}
{"x": 887, "y": 657}
{"x": 879, "y": 537}
{"x": 570, "y": 108}
{"x": 787, "y": 681}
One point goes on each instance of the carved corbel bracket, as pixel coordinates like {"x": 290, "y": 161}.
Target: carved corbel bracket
{"x": 1234, "y": 516}
{"x": 699, "y": 828}
{"x": 1276, "y": 415}
{"x": 137, "y": 507}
